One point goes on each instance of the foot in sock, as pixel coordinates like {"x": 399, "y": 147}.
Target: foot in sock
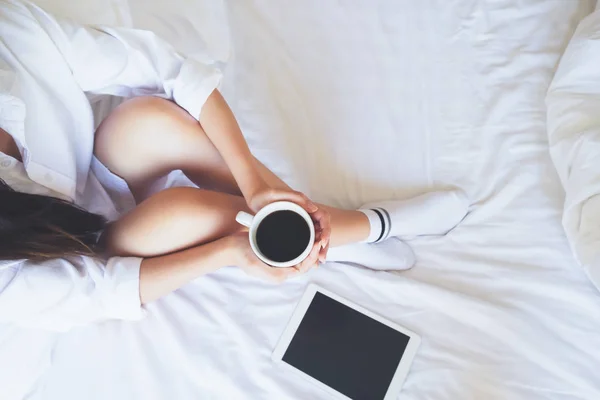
{"x": 391, "y": 255}
{"x": 433, "y": 213}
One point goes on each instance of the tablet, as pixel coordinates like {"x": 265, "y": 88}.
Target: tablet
{"x": 344, "y": 349}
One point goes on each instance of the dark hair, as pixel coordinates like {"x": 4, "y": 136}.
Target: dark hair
{"x": 40, "y": 228}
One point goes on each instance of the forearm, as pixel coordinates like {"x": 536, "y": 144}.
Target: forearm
{"x": 164, "y": 274}
{"x": 221, "y": 127}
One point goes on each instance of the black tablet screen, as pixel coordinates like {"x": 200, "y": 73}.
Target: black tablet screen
{"x": 346, "y": 350}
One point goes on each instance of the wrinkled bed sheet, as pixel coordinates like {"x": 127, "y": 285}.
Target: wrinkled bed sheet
{"x": 574, "y": 134}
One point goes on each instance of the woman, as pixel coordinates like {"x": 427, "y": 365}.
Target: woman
{"x": 63, "y": 263}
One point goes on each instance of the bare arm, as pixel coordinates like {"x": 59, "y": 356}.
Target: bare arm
{"x": 221, "y": 127}
{"x": 161, "y": 275}
{"x": 164, "y": 274}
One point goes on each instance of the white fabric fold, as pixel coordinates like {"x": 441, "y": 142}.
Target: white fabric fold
{"x": 573, "y": 103}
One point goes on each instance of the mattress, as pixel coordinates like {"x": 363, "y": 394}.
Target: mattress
{"x": 353, "y": 102}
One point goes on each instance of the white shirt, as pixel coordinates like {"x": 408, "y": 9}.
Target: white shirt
{"x": 50, "y": 71}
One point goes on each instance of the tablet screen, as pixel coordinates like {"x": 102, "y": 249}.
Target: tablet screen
{"x": 345, "y": 349}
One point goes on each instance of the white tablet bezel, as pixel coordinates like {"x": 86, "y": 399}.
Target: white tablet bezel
{"x": 300, "y": 311}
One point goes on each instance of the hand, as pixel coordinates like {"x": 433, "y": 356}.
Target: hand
{"x": 319, "y": 216}
{"x": 244, "y": 257}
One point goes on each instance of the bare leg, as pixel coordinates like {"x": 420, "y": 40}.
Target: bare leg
{"x": 146, "y": 138}
{"x": 173, "y": 220}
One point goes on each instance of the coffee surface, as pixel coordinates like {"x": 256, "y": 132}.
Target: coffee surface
{"x": 282, "y": 236}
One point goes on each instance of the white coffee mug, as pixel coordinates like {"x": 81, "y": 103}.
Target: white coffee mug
{"x": 253, "y": 222}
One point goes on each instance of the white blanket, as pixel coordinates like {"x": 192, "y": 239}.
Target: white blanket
{"x": 574, "y": 133}
{"x": 355, "y": 101}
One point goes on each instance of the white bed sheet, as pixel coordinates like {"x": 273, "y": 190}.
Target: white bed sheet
{"x": 573, "y": 104}
{"x": 356, "y": 101}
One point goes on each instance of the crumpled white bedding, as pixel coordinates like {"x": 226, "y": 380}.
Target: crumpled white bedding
{"x": 574, "y": 133}
{"x": 357, "y": 101}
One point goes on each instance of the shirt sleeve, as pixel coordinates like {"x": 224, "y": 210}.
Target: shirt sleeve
{"x": 128, "y": 62}
{"x": 61, "y": 294}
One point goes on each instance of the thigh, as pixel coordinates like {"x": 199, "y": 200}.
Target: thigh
{"x": 145, "y": 138}
{"x": 172, "y": 220}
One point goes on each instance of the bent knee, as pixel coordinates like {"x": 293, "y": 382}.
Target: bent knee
{"x": 139, "y": 138}
{"x": 148, "y": 108}
{"x": 137, "y": 118}
{"x": 151, "y": 110}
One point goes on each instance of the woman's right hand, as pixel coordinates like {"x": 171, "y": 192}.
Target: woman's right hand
{"x": 244, "y": 258}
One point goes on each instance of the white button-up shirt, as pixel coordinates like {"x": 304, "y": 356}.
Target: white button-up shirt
{"x": 50, "y": 73}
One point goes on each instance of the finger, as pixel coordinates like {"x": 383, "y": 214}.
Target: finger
{"x": 319, "y": 216}
{"x": 308, "y": 204}
{"x": 288, "y": 273}
{"x": 323, "y": 221}
{"x": 299, "y": 198}
{"x": 302, "y": 268}
{"x": 318, "y": 236}
{"x": 311, "y": 260}
{"x": 326, "y": 238}
{"x": 267, "y": 272}
{"x": 324, "y": 225}
{"x": 280, "y": 275}
{"x": 323, "y": 253}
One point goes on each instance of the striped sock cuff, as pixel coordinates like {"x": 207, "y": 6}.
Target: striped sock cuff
{"x": 386, "y": 225}
{"x": 380, "y": 223}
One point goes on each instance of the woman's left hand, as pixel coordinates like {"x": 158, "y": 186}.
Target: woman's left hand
{"x": 320, "y": 217}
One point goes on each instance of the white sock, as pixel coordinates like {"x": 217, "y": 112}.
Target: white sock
{"x": 391, "y": 255}
{"x": 377, "y": 224}
{"x": 432, "y": 213}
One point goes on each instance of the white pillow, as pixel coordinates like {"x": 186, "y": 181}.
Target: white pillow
{"x": 573, "y": 103}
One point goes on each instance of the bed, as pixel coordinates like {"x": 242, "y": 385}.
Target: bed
{"x": 352, "y": 102}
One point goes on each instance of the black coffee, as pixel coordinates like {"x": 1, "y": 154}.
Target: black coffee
{"x": 282, "y": 236}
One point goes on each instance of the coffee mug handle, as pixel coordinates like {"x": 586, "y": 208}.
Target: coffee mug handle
{"x": 244, "y": 218}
